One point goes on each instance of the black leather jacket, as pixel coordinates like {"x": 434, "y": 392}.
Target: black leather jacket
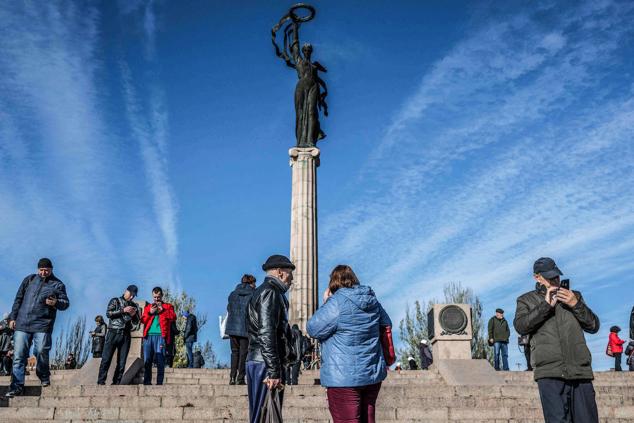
{"x": 118, "y": 319}
{"x": 267, "y": 327}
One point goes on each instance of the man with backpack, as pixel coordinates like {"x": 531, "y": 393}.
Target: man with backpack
{"x": 32, "y": 317}
{"x": 124, "y": 317}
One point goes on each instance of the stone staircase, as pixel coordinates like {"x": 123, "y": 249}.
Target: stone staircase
{"x": 204, "y": 395}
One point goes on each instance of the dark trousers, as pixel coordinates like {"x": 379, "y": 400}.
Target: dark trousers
{"x": 119, "y": 341}
{"x": 292, "y": 373}
{"x": 239, "y": 350}
{"x": 617, "y": 362}
{"x": 256, "y": 389}
{"x": 154, "y": 349}
{"x": 568, "y": 401}
{"x": 527, "y": 354}
{"x": 189, "y": 349}
{"x": 353, "y": 405}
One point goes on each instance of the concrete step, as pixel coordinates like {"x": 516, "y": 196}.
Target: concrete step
{"x": 384, "y": 413}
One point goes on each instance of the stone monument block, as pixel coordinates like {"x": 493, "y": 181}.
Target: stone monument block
{"x": 450, "y": 330}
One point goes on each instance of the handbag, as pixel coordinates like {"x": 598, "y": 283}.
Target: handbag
{"x": 222, "y": 321}
{"x": 387, "y": 345}
{"x": 608, "y": 350}
{"x": 272, "y": 409}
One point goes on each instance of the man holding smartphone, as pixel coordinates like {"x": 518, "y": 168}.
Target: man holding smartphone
{"x": 32, "y": 317}
{"x": 556, "y": 318}
{"x": 157, "y": 318}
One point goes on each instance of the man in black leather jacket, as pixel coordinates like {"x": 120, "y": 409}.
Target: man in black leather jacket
{"x": 124, "y": 317}
{"x": 269, "y": 333}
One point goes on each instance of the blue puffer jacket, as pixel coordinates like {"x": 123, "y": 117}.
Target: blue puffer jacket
{"x": 347, "y": 326}
{"x": 237, "y": 310}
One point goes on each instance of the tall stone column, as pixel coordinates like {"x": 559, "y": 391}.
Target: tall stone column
{"x": 304, "y": 295}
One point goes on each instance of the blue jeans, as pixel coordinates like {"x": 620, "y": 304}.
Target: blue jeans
{"x": 189, "y": 347}
{"x": 503, "y": 348}
{"x": 154, "y": 348}
{"x": 41, "y": 347}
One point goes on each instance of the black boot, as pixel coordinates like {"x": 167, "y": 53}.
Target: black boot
{"x": 232, "y": 381}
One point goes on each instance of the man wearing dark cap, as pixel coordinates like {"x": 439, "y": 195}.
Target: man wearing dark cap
{"x": 33, "y": 316}
{"x": 269, "y": 333}
{"x": 123, "y": 314}
{"x": 556, "y": 318}
{"x": 499, "y": 334}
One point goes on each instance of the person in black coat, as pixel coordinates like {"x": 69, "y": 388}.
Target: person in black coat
{"x": 199, "y": 361}
{"x": 6, "y": 336}
{"x": 292, "y": 369}
{"x": 426, "y": 358}
{"x": 236, "y": 327}
{"x": 190, "y": 336}
{"x": 98, "y": 337}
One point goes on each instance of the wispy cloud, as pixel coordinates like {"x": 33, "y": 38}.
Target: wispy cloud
{"x": 69, "y": 185}
{"x": 515, "y": 145}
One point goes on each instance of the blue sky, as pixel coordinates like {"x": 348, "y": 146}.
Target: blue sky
{"x": 146, "y": 142}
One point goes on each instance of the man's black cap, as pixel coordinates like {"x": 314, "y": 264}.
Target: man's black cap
{"x": 278, "y": 262}
{"x": 546, "y": 267}
{"x": 133, "y": 290}
{"x": 45, "y": 263}
{"x": 499, "y": 310}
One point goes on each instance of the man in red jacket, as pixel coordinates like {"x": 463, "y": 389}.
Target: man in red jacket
{"x": 157, "y": 318}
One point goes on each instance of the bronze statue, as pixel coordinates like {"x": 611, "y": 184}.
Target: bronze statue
{"x": 310, "y": 91}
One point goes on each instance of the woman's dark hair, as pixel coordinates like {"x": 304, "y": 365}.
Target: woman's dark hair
{"x": 342, "y": 276}
{"x": 99, "y": 319}
{"x": 615, "y": 329}
{"x": 250, "y": 279}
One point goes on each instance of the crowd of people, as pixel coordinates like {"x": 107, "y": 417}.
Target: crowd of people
{"x": 32, "y": 318}
{"x": 348, "y": 330}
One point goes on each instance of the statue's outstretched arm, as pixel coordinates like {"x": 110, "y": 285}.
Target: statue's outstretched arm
{"x": 282, "y": 53}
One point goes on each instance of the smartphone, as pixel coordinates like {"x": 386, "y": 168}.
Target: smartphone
{"x": 565, "y": 284}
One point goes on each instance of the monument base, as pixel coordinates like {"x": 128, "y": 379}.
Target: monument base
{"x": 451, "y": 349}
{"x": 468, "y": 372}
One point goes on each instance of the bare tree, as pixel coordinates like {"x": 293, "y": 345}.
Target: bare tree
{"x": 74, "y": 339}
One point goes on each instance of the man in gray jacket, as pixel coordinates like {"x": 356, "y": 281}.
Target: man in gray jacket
{"x": 556, "y": 319}
{"x": 33, "y": 316}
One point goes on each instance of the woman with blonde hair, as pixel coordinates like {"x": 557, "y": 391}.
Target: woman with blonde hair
{"x": 352, "y": 363}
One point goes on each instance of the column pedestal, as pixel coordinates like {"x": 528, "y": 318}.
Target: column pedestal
{"x": 304, "y": 297}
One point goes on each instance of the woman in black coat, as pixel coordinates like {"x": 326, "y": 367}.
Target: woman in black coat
{"x": 237, "y": 328}
{"x": 98, "y": 337}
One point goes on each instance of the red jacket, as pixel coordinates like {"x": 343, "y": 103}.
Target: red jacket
{"x": 616, "y": 343}
{"x": 166, "y": 317}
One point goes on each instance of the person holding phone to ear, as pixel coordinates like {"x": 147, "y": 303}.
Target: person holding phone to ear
{"x": 556, "y": 318}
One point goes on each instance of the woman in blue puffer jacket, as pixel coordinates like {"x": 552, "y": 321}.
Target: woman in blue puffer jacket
{"x": 352, "y": 363}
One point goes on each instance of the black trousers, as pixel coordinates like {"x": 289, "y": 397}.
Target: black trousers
{"x": 527, "y": 354}
{"x": 116, "y": 340}
{"x": 568, "y": 401}
{"x": 617, "y": 362}
{"x": 292, "y": 373}
{"x": 239, "y": 350}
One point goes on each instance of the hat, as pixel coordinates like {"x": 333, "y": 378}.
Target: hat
{"x": 499, "y": 310}
{"x": 546, "y": 267}
{"x": 278, "y": 262}
{"x": 45, "y": 263}
{"x": 410, "y": 358}
{"x": 423, "y": 341}
{"x": 185, "y": 313}
{"x": 133, "y": 290}
{"x": 615, "y": 329}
